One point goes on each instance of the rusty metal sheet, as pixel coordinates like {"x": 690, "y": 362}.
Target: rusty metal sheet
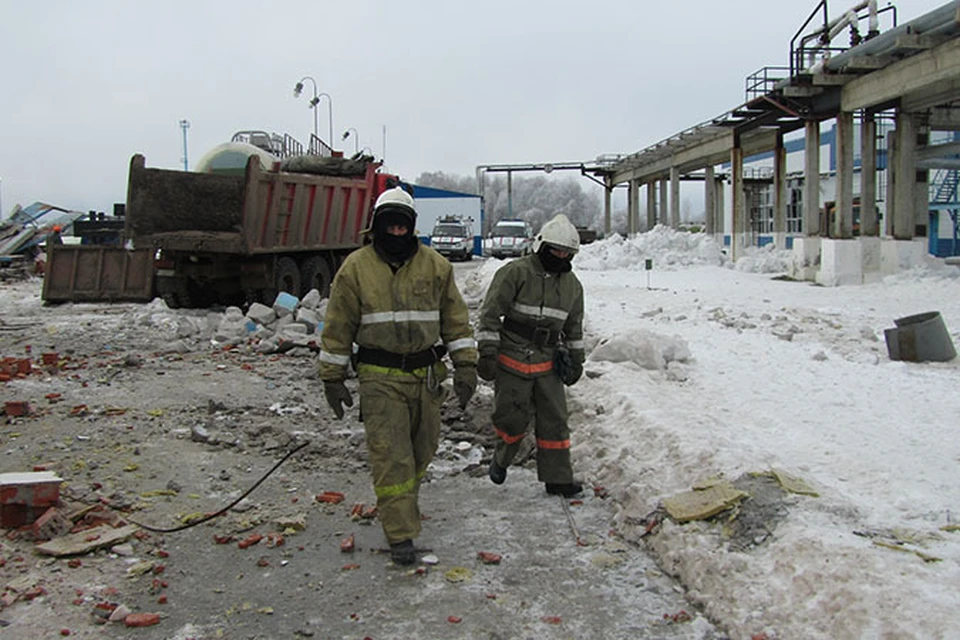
{"x": 87, "y": 273}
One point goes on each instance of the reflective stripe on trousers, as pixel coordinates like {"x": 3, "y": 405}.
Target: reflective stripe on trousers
{"x": 517, "y": 401}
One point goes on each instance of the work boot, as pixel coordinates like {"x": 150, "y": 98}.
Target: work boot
{"x": 565, "y": 490}
{"x": 403, "y": 552}
{"x": 497, "y": 473}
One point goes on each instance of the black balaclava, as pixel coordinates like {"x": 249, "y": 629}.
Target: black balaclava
{"x": 551, "y": 263}
{"x": 394, "y": 249}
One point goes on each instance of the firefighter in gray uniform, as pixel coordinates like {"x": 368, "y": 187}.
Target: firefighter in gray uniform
{"x": 398, "y": 301}
{"x": 532, "y": 311}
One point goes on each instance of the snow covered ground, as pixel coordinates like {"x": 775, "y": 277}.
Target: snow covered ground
{"x": 701, "y": 369}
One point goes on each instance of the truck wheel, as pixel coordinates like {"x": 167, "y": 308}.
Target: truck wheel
{"x": 171, "y": 300}
{"x": 288, "y": 276}
{"x": 315, "y": 274}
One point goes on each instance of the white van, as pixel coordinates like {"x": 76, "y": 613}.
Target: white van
{"x": 510, "y": 239}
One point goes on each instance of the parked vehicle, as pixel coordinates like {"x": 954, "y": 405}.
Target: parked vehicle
{"x": 510, "y": 239}
{"x": 452, "y": 238}
{"x": 226, "y": 238}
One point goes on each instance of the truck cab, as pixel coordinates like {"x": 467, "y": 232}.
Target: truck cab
{"x": 511, "y": 238}
{"x": 452, "y": 238}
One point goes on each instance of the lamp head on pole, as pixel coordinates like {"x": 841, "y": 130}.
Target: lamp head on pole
{"x": 314, "y": 101}
{"x": 346, "y": 134}
{"x": 297, "y": 89}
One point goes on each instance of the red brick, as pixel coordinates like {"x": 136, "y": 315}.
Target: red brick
{"x": 16, "y": 408}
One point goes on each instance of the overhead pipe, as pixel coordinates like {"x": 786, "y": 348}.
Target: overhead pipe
{"x": 938, "y": 21}
{"x": 831, "y": 28}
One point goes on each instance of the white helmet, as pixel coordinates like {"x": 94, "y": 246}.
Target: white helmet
{"x": 559, "y": 233}
{"x": 397, "y": 199}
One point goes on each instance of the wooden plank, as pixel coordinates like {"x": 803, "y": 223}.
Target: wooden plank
{"x": 86, "y": 541}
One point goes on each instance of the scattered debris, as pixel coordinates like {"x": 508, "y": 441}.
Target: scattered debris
{"x": 703, "y": 504}
{"x": 86, "y": 541}
{"x": 793, "y": 484}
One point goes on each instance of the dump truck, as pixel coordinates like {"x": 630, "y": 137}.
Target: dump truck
{"x": 200, "y": 239}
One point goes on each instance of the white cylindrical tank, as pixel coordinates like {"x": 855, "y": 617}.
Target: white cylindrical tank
{"x": 230, "y": 158}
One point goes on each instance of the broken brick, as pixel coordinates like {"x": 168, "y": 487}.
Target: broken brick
{"x": 331, "y": 497}
{"x": 51, "y": 524}
{"x": 142, "y": 619}
{"x": 16, "y": 408}
{"x": 250, "y": 541}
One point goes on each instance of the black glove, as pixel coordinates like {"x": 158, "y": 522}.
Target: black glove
{"x": 337, "y": 396}
{"x": 487, "y": 367}
{"x": 566, "y": 366}
{"x": 576, "y": 370}
{"x": 464, "y": 383}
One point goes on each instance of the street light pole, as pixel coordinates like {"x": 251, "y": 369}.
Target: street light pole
{"x": 356, "y": 139}
{"x": 329, "y": 112}
{"x": 184, "y": 124}
{"x": 298, "y": 89}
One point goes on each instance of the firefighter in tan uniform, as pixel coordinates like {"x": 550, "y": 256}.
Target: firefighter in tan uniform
{"x": 398, "y": 301}
{"x": 533, "y": 308}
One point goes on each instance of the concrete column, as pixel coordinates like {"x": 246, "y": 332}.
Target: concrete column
{"x": 607, "y": 195}
{"x": 868, "y": 176}
{"x": 651, "y": 205}
{"x": 674, "y": 197}
{"x": 721, "y": 217}
{"x": 664, "y": 214}
{"x": 891, "y": 194}
{"x": 709, "y": 201}
{"x": 904, "y": 219}
{"x": 843, "y": 217}
{"x": 737, "y": 202}
{"x": 811, "y": 180}
{"x": 780, "y": 193}
{"x": 633, "y": 198}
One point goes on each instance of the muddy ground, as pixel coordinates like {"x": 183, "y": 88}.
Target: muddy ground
{"x": 175, "y": 427}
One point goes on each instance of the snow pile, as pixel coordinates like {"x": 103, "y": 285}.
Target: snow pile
{"x": 665, "y": 246}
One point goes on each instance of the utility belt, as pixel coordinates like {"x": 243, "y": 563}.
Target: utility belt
{"x": 540, "y": 336}
{"x": 404, "y": 361}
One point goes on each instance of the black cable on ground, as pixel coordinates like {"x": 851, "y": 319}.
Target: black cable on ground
{"x": 226, "y": 508}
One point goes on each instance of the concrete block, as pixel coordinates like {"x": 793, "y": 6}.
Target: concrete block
{"x": 841, "y": 263}
{"x": 309, "y": 318}
{"x": 902, "y": 255}
{"x": 261, "y": 314}
{"x": 870, "y": 251}
{"x": 806, "y": 259}
{"x": 285, "y": 304}
{"x": 311, "y": 300}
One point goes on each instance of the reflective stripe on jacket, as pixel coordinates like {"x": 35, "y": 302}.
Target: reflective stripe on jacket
{"x": 403, "y": 312}
{"x": 523, "y": 291}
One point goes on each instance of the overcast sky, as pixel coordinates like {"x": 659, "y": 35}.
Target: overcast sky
{"x": 85, "y": 85}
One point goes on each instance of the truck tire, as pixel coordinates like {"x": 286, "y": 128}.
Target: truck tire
{"x": 315, "y": 274}
{"x": 287, "y": 276}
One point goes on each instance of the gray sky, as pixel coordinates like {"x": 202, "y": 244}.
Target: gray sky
{"x": 85, "y": 85}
